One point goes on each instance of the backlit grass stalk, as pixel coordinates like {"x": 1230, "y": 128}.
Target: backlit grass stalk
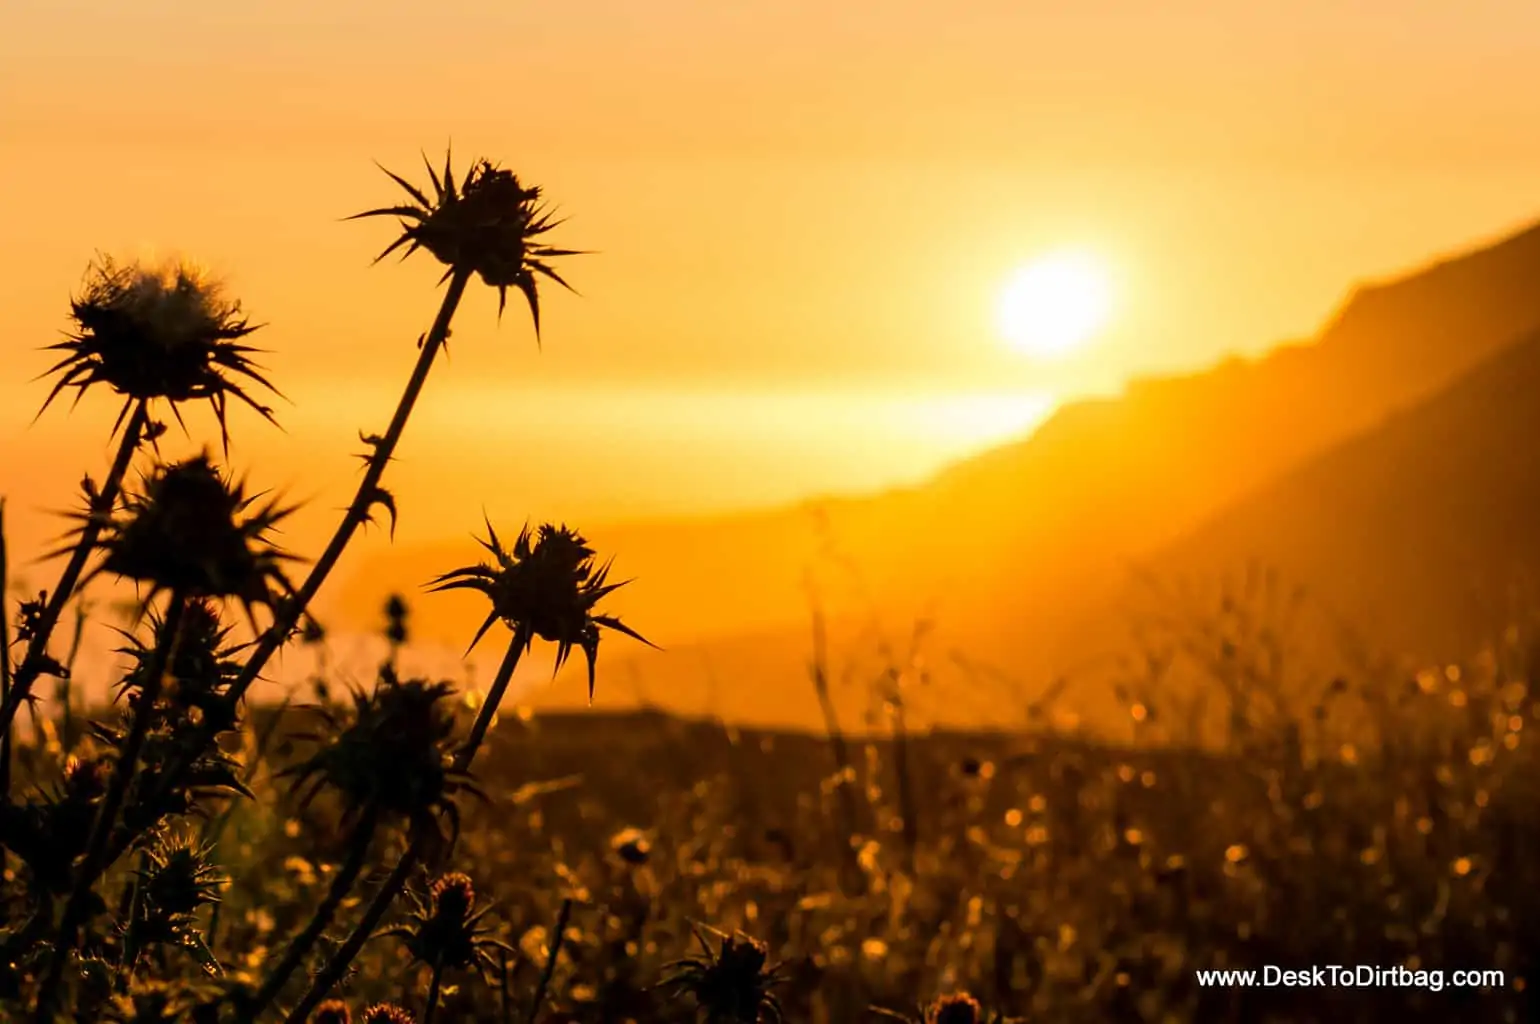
{"x": 818, "y": 670}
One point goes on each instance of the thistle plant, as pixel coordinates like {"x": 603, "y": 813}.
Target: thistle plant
{"x": 152, "y": 335}
{"x": 446, "y": 931}
{"x": 731, "y": 983}
{"x": 390, "y": 762}
{"x": 547, "y": 586}
{"x": 190, "y": 532}
{"x": 490, "y": 225}
{"x": 195, "y": 542}
{"x": 178, "y": 879}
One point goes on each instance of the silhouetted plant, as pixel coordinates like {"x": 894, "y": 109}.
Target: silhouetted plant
{"x": 165, "y": 334}
{"x": 446, "y": 932}
{"x": 490, "y": 226}
{"x": 390, "y": 761}
{"x": 731, "y": 984}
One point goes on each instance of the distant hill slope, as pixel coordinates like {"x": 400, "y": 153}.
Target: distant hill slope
{"x": 1419, "y": 531}
{"x": 1008, "y": 548}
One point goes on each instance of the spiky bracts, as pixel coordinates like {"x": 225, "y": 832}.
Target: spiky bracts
{"x": 547, "y": 586}
{"x": 490, "y": 224}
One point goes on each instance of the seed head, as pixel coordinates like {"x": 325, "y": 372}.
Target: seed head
{"x": 158, "y": 333}
{"x": 545, "y": 587}
{"x": 490, "y": 225}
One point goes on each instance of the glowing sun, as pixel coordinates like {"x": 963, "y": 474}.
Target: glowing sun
{"x": 1055, "y": 304}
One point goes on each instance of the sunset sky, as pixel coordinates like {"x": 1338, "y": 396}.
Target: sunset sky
{"x": 803, "y": 215}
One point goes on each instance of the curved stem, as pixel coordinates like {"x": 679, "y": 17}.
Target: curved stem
{"x": 33, "y": 662}
{"x": 364, "y": 500}
{"x": 375, "y": 912}
{"x": 342, "y": 884}
{"x": 96, "y": 856}
{"x": 431, "y": 1010}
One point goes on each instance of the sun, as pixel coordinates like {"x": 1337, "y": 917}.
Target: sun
{"x": 1055, "y": 304}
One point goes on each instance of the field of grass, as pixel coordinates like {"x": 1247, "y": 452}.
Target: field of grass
{"x": 1054, "y": 879}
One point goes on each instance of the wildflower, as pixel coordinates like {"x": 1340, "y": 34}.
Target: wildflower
{"x": 333, "y": 1011}
{"x": 392, "y": 757}
{"x": 165, "y": 333}
{"x": 731, "y": 983}
{"x": 185, "y": 532}
{"x": 385, "y": 1013}
{"x": 490, "y": 225}
{"x": 545, "y": 587}
{"x": 446, "y": 929}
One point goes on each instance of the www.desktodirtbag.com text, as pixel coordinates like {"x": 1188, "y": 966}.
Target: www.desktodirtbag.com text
{"x": 1362, "y": 976}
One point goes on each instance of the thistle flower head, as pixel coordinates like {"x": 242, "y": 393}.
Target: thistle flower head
{"x": 392, "y": 755}
{"x": 179, "y": 877}
{"x": 447, "y": 929}
{"x": 490, "y": 224}
{"x": 192, "y": 531}
{"x": 386, "y": 1013}
{"x": 151, "y": 333}
{"x": 333, "y": 1011}
{"x": 731, "y": 983}
{"x": 958, "y": 1008}
{"x": 201, "y": 667}
{"x": 546, "y": 586}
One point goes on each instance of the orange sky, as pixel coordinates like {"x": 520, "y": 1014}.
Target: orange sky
{"x": 803, "y": 212}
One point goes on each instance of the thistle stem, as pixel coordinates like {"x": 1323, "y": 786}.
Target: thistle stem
{"x": 375, "y": 912}
{"x": 342, "y": 884}
{"x": 33, "y": 662}
{"x": 289, "y": 613}
{"x": 494, "y": 698}
{"x": 431, "y": 1010}
{"x": 96, "y": 856}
